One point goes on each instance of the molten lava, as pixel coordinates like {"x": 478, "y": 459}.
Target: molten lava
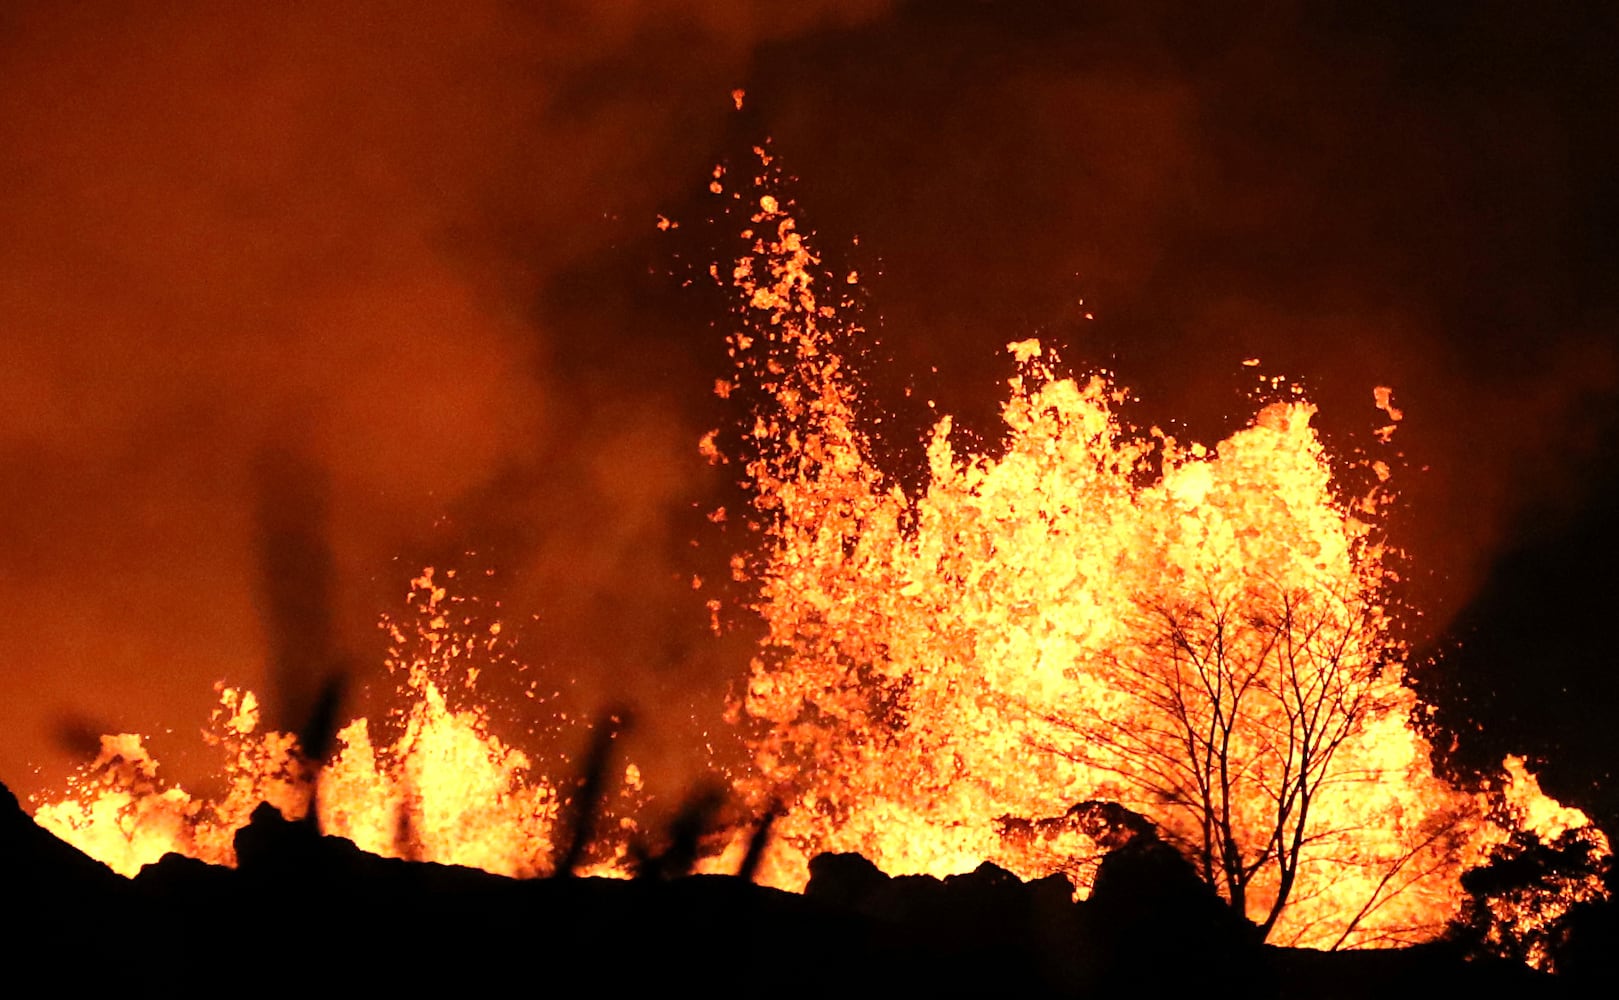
{"x": 444, "y": 789}
{"x": 1199, "y": 634}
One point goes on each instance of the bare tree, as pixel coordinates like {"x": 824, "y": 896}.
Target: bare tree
{"x": 1230, "y": 723}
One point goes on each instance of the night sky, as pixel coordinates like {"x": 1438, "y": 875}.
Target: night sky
{"x": 415, "y": 255}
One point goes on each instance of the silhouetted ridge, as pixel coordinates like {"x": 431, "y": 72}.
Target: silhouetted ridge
{"x": 306, "y": 912}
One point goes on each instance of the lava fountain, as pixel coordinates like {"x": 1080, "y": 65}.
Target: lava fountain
{"x": 1201, "y": 635}
{"x": 443, "y": 787}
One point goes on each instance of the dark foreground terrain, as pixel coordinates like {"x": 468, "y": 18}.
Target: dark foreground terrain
{"x": 305, "y": 913}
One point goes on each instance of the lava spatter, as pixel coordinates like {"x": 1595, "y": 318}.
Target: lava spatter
{"x": 1200, "y": 634}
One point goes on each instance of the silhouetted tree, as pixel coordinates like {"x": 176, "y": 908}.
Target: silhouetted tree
{"x": 1528, "y": 899}
{"x": 1241, "y": 728}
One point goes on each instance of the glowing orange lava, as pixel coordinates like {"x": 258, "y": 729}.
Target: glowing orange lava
{"x": 1197, "y": 633}
{"x": 444, "y": 789}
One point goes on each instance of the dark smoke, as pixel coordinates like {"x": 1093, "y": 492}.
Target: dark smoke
{"x": 1419, "y": 196}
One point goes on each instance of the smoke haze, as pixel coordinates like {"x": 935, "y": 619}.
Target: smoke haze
{"x": 414, "y": 250}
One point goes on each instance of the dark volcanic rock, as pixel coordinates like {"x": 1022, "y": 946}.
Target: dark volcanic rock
{"x": 53, "y": 894}
{"x": 35, "y": 865}
{"x": 307, "y": 913}
{"x": 844, "y": 879}
{"x": 990, "y": 929}
{"x": 1424, "y": 971}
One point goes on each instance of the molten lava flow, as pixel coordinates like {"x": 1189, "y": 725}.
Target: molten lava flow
{"x": 1197, "y": 633}
{"x": 443, "y": 789}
